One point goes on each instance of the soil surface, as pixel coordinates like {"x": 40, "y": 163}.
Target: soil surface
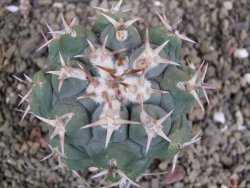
{"x": 221, "y": 30}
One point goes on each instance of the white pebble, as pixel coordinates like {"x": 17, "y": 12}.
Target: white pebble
{"x": 247, "y": 78}
{"x": 7, "y": 100}
{"x": 244, "y": 80}
{"x": 58, "y": 5}
{"x": 239, "y": 121}
{"x": 158, "y": 3}
{"x": 241, "y": 53}
{"x": 239, "y": 118}
{"x": 219, "y": 117}
{"x": 12, "y": 8}
{"x": 241, "y": 127}
{"x": 228, "y": 5}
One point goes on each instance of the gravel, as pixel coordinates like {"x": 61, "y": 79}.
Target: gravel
{"x": 221, "y": 30}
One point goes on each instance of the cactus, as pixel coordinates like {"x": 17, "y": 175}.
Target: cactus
{"x": 115, "y": 97}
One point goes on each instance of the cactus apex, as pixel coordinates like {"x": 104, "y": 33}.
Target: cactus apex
{"x": 101, "y": 56}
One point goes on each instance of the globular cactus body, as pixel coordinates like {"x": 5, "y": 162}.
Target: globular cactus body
{"x": 115, "y": 97}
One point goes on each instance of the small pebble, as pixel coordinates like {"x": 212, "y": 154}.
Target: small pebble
{"x": 219, "y": 117}
{"x": 241, "y": 53}
{"x": 247, "y": 77}
{"x": 239, "y": 168}
{"x": 228, "y": 5}
{"x": 12, "y": 8}
{"x": 178, "y": 174}
{"x": 239, "y": 121}
{"x": 70, "y": 16}
{"x": 155, "y": 183}
{"x": 193, "y": 175}
{"x": 58, "y": 5}
{"x": 163, "y": 165}
{"x": 40, "y": 62}
{"x": 226, "y": 160}
{"x": 157, "y": 3}
{"x": 178, "y": 185}
{"x": 247, "y": 156}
